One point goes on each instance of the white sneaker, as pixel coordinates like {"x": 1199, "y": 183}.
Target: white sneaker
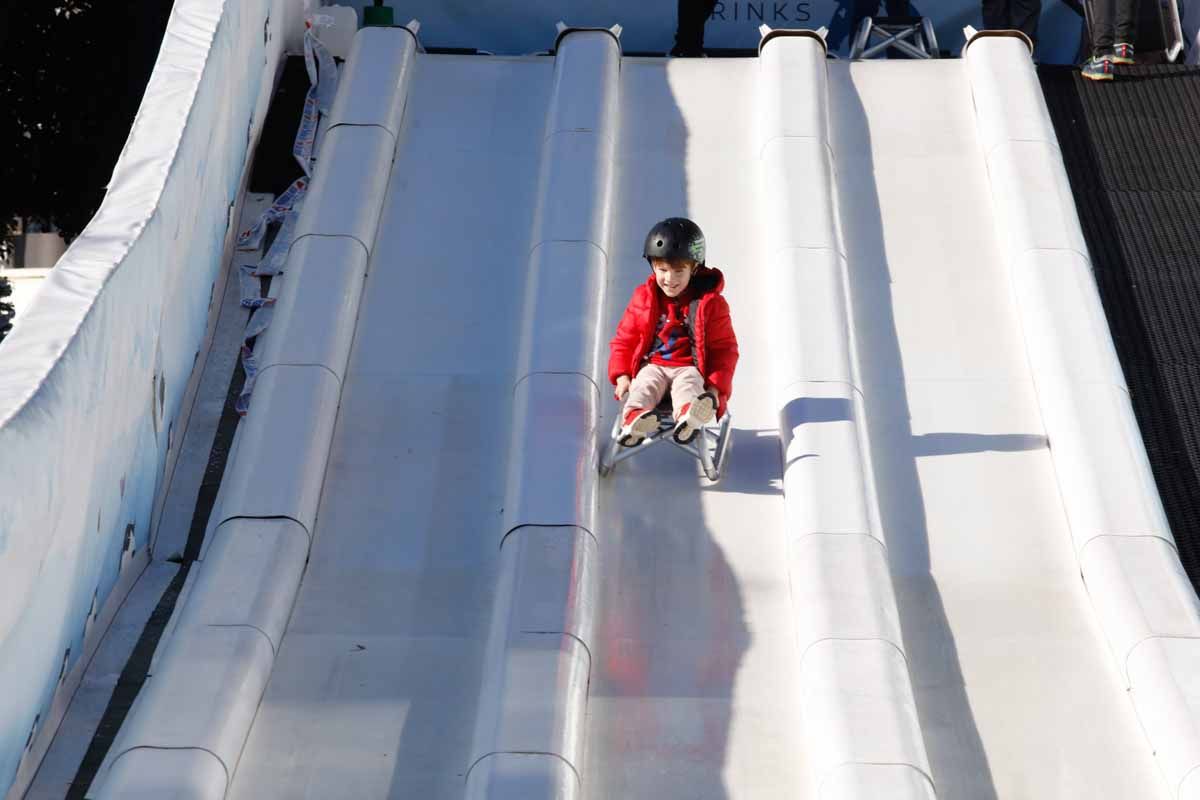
{"x": 639, "y": 423}
{"x": 695, "y": 415}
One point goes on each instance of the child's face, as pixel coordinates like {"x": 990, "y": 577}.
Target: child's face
{"x": 672, "y": 276}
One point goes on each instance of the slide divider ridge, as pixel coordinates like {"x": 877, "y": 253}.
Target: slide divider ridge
{"x": 861, "y": 731}
{"x": 1127, "y": 556}
{"x": 529, "y": 732}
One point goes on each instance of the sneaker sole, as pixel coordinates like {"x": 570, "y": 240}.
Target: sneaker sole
{"x": 702, "y": 409}
{"x": 1107, "y": 77}
{"x": 1125, "y": 61}
{"x": 643, "y": 426}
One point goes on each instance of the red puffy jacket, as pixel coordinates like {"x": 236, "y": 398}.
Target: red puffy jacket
{"x": 716, "y": 346}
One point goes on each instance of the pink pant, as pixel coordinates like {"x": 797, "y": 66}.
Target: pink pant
{"x": 652, "y": 382}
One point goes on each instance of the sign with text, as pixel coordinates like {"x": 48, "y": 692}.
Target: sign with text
{"x": 527, "y": 26}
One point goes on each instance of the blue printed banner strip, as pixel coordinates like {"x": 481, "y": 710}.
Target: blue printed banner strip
{"x": 306, "y": 135}
{"x": 324, "y": 73}
{"x": 252, "y": 237}
{"x": 322, "y": 78}
{"x": 276, "y": 257}
{"x": 258, "y": 323}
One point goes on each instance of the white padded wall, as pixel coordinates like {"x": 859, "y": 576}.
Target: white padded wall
{"x": 554, "y": 342}
{"x": 146, "y": 773}
{"x": 861, "y": 729}
{"x": 280, "y": 463}
{"x": 558, "y": 449}
{"x": 249, "y": 577}
{"x": 346, "y": 199}
{"x": 205, "y": 690}
{"x": 373, "y": 82}
{"x": 202, "y": 695}
{"x": 322, "y": 288}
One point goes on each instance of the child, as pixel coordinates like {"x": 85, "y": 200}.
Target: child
{"x": 676, "y": 334}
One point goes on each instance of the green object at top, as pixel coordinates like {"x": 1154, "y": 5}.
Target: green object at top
{"x": 378, "y": 15}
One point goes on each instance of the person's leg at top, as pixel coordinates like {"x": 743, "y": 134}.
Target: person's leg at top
{"x": 1123, "y": 30}
{"x": 996, "y": 15}
{"x": 1024, "y": 16}
{"x": 689, "y": 33}
{"x": 1099, "y": 67}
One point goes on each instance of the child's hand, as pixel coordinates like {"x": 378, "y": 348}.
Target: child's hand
{"x": 622, "y": 387}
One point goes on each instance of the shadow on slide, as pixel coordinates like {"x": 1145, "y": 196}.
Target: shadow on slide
{"x": 752, "y": 466}
{"x": 671, "y": 633}
{"x": 670, "y": 640}
{"x": 956, "y": 754}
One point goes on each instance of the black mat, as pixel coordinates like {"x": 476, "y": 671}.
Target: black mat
{"x": 1132, "y": 151}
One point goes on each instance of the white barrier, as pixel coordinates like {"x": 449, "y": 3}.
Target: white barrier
{"x": 529, "y": 727}
{"x": 1127, "y": 557}
{"x": 549, "y": 336}
{"x": 355, "y": 153}
{"x": 324, "y": 272}
{"x": 279, "y": 465}
{"x": 862, "y": 736}
{"x": 93, "y": 375}
{"x": 250, "y": 574}
{"x": 205, "y": 689}
{"x": 362, "y": 98}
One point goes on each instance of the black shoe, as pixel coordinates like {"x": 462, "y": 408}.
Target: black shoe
{"x": 1123, "y": 53}
{"x": 1098, "y": 69}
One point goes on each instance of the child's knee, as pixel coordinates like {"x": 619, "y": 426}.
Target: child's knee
{"x": 647, "y": 389}
{"x": 643, "y": 382}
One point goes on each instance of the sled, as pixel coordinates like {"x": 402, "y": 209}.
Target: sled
{"x": 710, "y": 444}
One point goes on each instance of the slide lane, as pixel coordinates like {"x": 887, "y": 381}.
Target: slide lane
{"x": 880, "y": 598}
{"x": 374, "y": 690}
{"x": 1016, "y": 691}
{"x": 693, "y": 690}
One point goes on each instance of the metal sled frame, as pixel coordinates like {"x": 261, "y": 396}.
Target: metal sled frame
{"x": 710, "y": 445}
{"x": 911, "y": 35}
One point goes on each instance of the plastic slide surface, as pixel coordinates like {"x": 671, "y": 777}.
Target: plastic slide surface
{"x": 881, "y": 597}
{"x": 1016, "y": 691}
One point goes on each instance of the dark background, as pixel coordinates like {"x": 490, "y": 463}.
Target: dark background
{"x": 72, "y": 74}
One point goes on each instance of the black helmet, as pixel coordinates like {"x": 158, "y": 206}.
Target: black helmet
{"x": 675, "y": 238}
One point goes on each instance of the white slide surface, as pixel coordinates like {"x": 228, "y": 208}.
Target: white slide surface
{"x": 693, "y": 691}
{"x": 694, "y": 663}
{"x": 676, "y": 637}
{"x": 1016, "y": 691}
{"x": 373, "y": 693}
{"x": 374, "y": 689}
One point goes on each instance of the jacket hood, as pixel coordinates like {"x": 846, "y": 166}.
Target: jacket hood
{"x": 706, "y": 280}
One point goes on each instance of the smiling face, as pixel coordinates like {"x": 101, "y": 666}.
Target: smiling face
{"x": 672, "y": 276}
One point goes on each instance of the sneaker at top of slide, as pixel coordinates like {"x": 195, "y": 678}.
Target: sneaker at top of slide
{"x": 639, "y": 423}
{"x": 1123, "y": 53}
{"x": 694, "y": 416}
{"x": 1098, "y": 68}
